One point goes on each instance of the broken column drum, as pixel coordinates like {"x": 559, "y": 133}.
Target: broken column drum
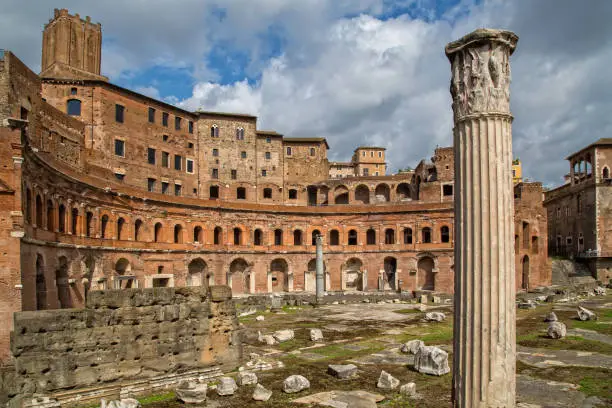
{"x": 484, "y": 331}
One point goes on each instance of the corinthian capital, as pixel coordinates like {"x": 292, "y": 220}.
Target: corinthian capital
{"x": 480, "y": 82}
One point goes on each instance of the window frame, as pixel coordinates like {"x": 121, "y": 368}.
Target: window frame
{"x": 189, "y": 162}
{"x": 151, "y": 115}
{"x": 151, "y": 150}
{"x": 120, "y": 142}
{"x": 119, "y": 113}
{"x": 69, "y": 104}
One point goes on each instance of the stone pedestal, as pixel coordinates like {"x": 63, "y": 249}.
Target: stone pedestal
{"x": 484, "y": 331}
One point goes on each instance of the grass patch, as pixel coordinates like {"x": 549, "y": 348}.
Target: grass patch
{"x": 593, "y": 386}
{"x": 433, "y": 333}
{"x": 334, "y": 351}
{"x": 602, "y": 325}
{"x": 537, "y": 340}
{"x": 154, "y": 399}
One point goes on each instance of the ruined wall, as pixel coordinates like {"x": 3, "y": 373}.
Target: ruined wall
{"x": 124, "y": 335}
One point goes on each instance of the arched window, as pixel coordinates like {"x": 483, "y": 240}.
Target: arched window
{"x": 197, "y": 234}
{"x": 278, "y": 237}
{"x": 50, "y": 214}
{"x": 237, "y": 236}
{"x": 297, "y": 237}
{"x": 445, "y": 234}
{"x": 352, "y": 237}
{"x": 241, "y": 193}
{"x": 407, "y": 235}
{"x": 214, "y": 131}
{"x": 178, "y": 234}
{"x": 62, "y": 218}
{"x": 371, "y": 237}
{"x": 389, "y": 236}
{"x": 137, "y": 230}
{"x": 605, "y": 173}
{"x": 120, "y": 224}
{"x": 314, "y": 234}
{"x": 239, "y": 133}
{"x": 88, "y": 223}
{"x": 217, "y": 236}
{"x": 75, "y": 221}
{"x": 103, "y": 225}
{"x": 73, "y": 107}
{"x": 258, "y": 237}
{"x": 426, "y": 235}
{"x": 334, "y": 237}
{"x": 39, "y": 211}
{"x": 157, "y": 232}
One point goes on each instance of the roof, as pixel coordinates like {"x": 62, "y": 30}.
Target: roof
{"x": 306, "y": 140}
{"x": 269, "y": 133}
{"x": 371, "y": 147}
{"x": 118, "y": 88}
{"x": 348, "y": 164}
{"x": 606, "y": 141}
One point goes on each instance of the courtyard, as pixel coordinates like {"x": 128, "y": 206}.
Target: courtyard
{"x": 575, "y": 371}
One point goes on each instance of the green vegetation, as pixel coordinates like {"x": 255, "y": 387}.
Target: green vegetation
{"x": 599, "y": 387}
{"x": 603, "y": 324}
{"x": 157, "y": 398}
{"x": 577, "y": 343}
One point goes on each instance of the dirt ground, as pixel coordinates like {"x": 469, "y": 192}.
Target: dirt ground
{"x": 572, "y": 372}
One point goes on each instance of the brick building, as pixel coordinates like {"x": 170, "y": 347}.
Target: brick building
{"x": 580, "y": 211}
{"x": 104, "y": 188}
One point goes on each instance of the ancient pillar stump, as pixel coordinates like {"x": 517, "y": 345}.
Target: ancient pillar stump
{"x": 484, "y": 331}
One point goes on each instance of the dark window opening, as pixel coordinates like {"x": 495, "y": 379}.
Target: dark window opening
{"x": 389, "y": 236}
{"x": 243, "y": 154}
{"x": 119, "y": 148}
{"x": 177, "y": 189}
{"x": 312, "y": 151}
{"x": 151, "y": 155}
{"x": 217, "y": 236}
{"x": 119, "y": 113}
{"x": 213, "y": 192}
{"x": 178, "y": 162}
{"x": 177, "y": 123}
{"x": 73, "y": 91}
{"x": 73, "y": 107}
{"x": 190, "y": 129}
{"x": 165, "y": 159}
{"x": 426, "y": 235}
{"x": 334, "y": 237}
{"x": 445, "y": 234}
{"x": 314, "y": 236}
{"x": 447, "y": 190}
{"x": 234, "y": 174}
{"x": 352, "y": 237}
{"x": 237, "y": 236}
{"x": 278, "y": 237}
{"x": 151, "y": 115}
{"x": 119, "y": 176}
{"x": 165, "y": 186}
{"x": 293, "y": 194}
{"x": 215, "y": 173}
{"x": 258, "y": 237}
{"x": 267, "y": 193}
{"x": 371, "y": 237}
{"x": 165, "y": 117}
{"x": 241, "y": 193}
{"x": 297, "y": 237}
{"x": 178, "y": 234}
{"x": 407, "y": 235}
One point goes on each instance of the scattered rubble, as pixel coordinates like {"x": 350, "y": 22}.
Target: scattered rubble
{"x": 408, "y": 390}
{"x": 123, "y": 403}
{"x": 431, "y": 360}
{"x": 246, "y": 378}
{"x": 191, "y": 392}
{"x": 557, "y": 330}
{"x": 342, "y": 371}
{"x": 386, "y": 381}
{"x": 260, "y": 393}
{"x": 295, "y": 383}
{"x": 226, "y": 386}
{"x": 551, "y": 317}
{"x": 283, "y": 335}
{"x": 435, "y": 316}
{"x": 412, "y": 346}
{"x": 316, "y": 335}
{"x": 585, "y": 314}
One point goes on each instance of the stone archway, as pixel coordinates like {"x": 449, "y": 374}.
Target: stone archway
{"x": 354, "y": 278}
{"x": 426, "y": 273}
{"x": 238, "y": 277}
{"x": 61, "y": 283}
{"x": 310, "y": 276}
{"x": 525, "y": 274}
{"x": 390, "y": 274}
{"x": 197, "y": 273}
{"x": 279, "y": 275}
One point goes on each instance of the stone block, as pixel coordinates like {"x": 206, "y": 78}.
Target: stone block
{"x": 386, "y": 381}
{"x": 261, "y": 394}
{"x": 220, "y": 293}
{"x": 295, "y": 383}
{"x": 342, "y": 371}
{"x": 246, "y": 378}
{"x": 431, "y": 360}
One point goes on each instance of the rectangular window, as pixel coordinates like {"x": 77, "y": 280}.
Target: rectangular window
{"x": 215, "y": 152}
{"x": 119, "y": 111}
{"x": 165, "y": 159}
{"x": 151, "y": 115}
{"x": 215, "y": 173}
{"x": 289, "y": 151}
{"x": 190, "y": 166}
{"x": 366, "y": 172}
{"x": 264, "y": 173}
{"x": 447, "y": 190}
{"x": 151, "y": 155}
{"x": 178, "y": 162}
{"x": 243, "y": 155}
{"x": 268, "y": 140}
{"x": 312, "y": 151}
{"x": 151, "y": 184}
{"x": 363, "y": 154}
{"x": 234, "y": 174}
{"x": 165, "y": 138}
{"x": 165, "y": 119}
{"x": 190, "y": 126}
{"x": 379, "y": 154}
{"x": 177, "y": 189}
{"x": 119, "y": 148}
{"x": 164, "y": 187}
{"x": 268, "y": 156}
{"x": 190, "y": 145}
{"x": 177, "y": 123}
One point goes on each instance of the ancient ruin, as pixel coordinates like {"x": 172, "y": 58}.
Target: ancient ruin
{"x": 484, "y": 331}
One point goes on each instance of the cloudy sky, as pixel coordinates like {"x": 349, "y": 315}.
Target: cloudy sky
{"x": 353, "y": 71}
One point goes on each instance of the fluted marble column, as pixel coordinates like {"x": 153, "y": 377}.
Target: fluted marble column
{"x": 484, "y": 332}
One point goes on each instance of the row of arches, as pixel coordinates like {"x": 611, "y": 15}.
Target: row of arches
{"x": 68, "y": 220}
{"x": 359, "y": 194}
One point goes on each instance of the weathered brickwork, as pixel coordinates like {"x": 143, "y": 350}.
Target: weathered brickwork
{"x": 580, "y": 211}
{"x": 123, "y": 191}
{"x": 123, "y": 335}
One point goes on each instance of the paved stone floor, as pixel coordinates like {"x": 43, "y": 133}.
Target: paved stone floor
{"x": 572, "y": 372}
